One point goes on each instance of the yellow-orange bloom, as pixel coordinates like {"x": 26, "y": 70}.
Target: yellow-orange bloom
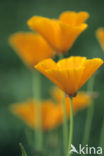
{"x": 82, "y": 100}
{"x": 27, "y": 110}
{"x": 60, "y": 33}
{"x": 31, "y": 47}
{"x": 69, "y": 74}
{"x": 52, "y": 113}
{"x": 100, "y": 36}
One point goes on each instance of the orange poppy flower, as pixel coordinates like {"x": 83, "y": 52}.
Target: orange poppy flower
{"x": 57, "y": 94}
{"x": 27, "y": 110}
{"x": 31, "y": 47}
{"x": 52, "y": 113}
{"x": 60, "y": 33}
{"x": 69, "y": 74}
{"x": 82, "y": 99}
{"x": 100, "y": 36}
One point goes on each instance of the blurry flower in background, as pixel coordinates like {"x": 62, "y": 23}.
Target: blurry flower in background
{"x": 31, "y": 47}
{"x": 79, "y": 102}
{"x": 52, "y": 112}
{"x": 26, "y": 111}
{"x": 69, "y": 74}
{"x": 56, "y": 94}
{"x": 100, "y": 36}
{"x": 60, "y": 33}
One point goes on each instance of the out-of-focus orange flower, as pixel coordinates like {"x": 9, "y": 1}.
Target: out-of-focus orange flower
{"x": 82, "y": 100}
{"x": 100, "y": 36}
{"x": 69, "y": 74}
{"x": 31, "y": 47}
{"x": 60, "y": 33}
{"x": 27, "y": 110}
{"x": 57, "y": 94}
{"x": 52, "y": 112}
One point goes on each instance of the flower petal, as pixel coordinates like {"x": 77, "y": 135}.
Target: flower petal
{"x": 73, "y": 18}
{"x": 31, "y": 47}
{"x": 90, "y": 67}
{"x": 100, "y": 36}
{"x": 66, "y": 79}
{"x": 59, "y": 35}
{"x": 69, "y": 74}
{"x": 71, "y": 62}
{"x": 49, "y": 29}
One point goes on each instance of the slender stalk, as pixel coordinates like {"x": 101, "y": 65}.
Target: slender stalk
{"x": 38, "y": 114}
{"x": 65, "y": 120}
{"x": 65, "y": 125}
{"x": 71, "y": 126}
{"x": 90, "y": 113}
{"x": 101, "y": 144}
{"x": 22, "y": 149}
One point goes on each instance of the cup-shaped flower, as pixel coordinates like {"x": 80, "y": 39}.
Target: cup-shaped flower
{"x": 69, "y": 74}
{"x": 51, "y": 115}
{"x": 82, "y": 100}
{"x": 31, "y": 47}
{"x": 100, "y": 37}
{"x": 60, "y": 33}
{"x": 52, "y": 112}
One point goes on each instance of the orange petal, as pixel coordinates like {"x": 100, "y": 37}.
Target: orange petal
{"x": 25, "y": 111}
{"x": 100, "y": 36}
{"x": 31, "y": 47}
{"x": 49, "y": 29}
{"x": 43, "y": 66}
{"x": 73, "y": 18}
{"x": 57, "y": 94}
{"x": 81, "y": 101}
{"x": 65, "y": 79}
{"x": 71, "y": 62}
{"x": 69, "y": 74}
{"x": 68, "y": 35}
{"x": 59, "y": 35}
{"x": 90, "y": 68}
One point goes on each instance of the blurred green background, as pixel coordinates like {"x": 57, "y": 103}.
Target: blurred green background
{"x": 15, "y": 77}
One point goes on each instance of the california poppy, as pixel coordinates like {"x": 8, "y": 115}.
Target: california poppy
{"x": 27, "y": 110}
{"x": 69, "y": 74}
{"x": 100, "y": 36}
{"x": 52, "y": 112}
{"x": 82, "y": 100}
{"x": 31, "y": 47}
{"x": 60, "y": 33}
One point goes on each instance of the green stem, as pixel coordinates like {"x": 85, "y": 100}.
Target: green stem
{"x": 65, "y": 120}
{"x": 65, "y": 125}
{"x": 71, "y": 126}
{"x": 102, "y": 136}
{"x": 38, "y": 114}
{"x": 90, "y": 114}
{"x": 22, "y": 149}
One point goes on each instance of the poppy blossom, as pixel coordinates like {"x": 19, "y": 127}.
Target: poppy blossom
{"x": 51, "y": 116}
{"x": 82, "y": 100}
{"x": 52, "y": 112}
{"x": 60, "y": 33}
{"x": 31, "y": 47}
{"x": 100, "y": 36}
{"x": 69, "y": 74}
